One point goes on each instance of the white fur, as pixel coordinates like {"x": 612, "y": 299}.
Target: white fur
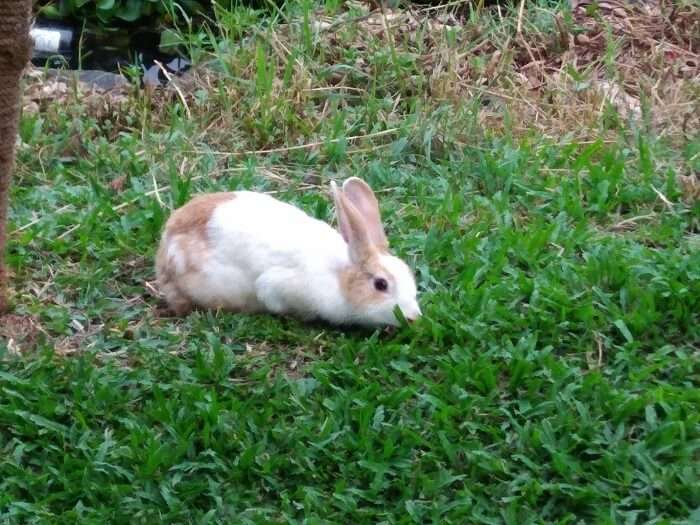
{"x": 262, "y": 254}
{"x": 405, "y": 293}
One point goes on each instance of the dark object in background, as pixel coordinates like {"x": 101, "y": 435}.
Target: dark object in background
{"x": 154, "y": 76}
{"x": 108, "y": 13}
{"x": 61, "y": 45}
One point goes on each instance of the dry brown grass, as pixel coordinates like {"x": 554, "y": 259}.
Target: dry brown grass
{"x": 584, "y": 74}
{"x": 561, "y": 80}
{"x": 19, "y": 333}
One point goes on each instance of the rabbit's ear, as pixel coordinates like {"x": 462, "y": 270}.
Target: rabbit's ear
{"x": 352, "y": 226}
{"x": 362, "y": 198}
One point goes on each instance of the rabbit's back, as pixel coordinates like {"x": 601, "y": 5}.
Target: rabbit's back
{"x": 256, "y": 231}
{"x": 216, "y": 262}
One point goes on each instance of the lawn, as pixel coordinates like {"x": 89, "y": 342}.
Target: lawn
{"x": 537, "y": 165}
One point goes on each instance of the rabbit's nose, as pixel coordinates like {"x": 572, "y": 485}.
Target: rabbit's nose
{"x": 413, "y": 313}
{"x": 413, "y": 317}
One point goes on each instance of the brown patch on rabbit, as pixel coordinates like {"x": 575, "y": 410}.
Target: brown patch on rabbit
{"x": 185, "y": 237}
{"x": 356, "y": 281}
{"x": 187, "y": 227}
{"x": 194, "y": 216}
{"x": 166, "y": 278}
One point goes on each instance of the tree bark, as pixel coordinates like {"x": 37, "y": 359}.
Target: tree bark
{"x": 15, "y": 52}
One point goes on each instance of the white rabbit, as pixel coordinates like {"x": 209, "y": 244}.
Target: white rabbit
{"x": 249, "y": 252}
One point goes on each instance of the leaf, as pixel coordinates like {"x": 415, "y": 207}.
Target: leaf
{"x": 378, "y": 418}
{"x": 413, "y": 510}
{"x": 306, "y": 386}
{"x": 131, "y": 11}
{"x": 49, "y": 11}
{"x": 12, "y": 379}
{"x": 398, "y": 146}
{"x": 620, "y": 324}
{"x": 650, "y": 415}
{"x": 104, "y": 5}
{"x": 169, "y": 40}
{"x": 42, "y": 422}
{"x": 447, "y": 446}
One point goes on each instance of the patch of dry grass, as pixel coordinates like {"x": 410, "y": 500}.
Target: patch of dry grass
{"x": 582, "y": 73}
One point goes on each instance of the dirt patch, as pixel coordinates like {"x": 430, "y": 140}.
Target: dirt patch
{"x": 99, "y": 97}
{"x": 658, "y": 38}
{"x": 74, "y": 344}
{"x": 19, "y": 333}
{"x": 690, "y": 188}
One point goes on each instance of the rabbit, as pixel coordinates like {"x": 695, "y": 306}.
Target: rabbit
{"x": 249, "y": 252}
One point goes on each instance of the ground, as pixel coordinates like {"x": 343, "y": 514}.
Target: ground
{"x": 536, "y": 164}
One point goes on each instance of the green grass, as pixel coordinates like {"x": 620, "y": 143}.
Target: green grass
{"x": 555, "y": 376}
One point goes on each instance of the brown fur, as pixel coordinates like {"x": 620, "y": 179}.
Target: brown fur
{"x": 188, "y": 227}
{"x": 355, "y": 281}
{"x": 167, "y": 283}
{"x": 360, "y": 225}
{"x": 361, "y": 196}
{"x": 194, "y": 216}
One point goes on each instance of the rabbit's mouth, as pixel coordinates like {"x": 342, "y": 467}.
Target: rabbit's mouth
{"x": 407, "y": 314}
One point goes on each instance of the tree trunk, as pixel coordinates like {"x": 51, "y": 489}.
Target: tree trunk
{"x": 15, "y": 49}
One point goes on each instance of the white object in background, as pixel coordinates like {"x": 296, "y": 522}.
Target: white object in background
{"x": 46, "y": 40}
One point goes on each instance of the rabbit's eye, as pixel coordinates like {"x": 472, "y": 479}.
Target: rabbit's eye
{"x": 380, "y": 284}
